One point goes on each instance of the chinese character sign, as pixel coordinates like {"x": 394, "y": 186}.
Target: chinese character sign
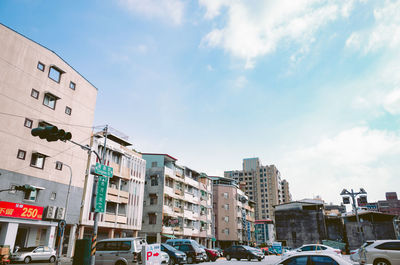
{"x": 19, "y": 210}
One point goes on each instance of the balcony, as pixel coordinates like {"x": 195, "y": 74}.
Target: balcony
{"x": 179, "y": 192}
{"x": 126, "y": 173}
{"x": 116, "y": 168}
{"x": 112, "y": 218}
{"x": 167, "y": 209}
{"x": 178, "y": 209}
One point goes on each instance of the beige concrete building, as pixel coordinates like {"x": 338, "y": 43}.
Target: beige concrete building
{"x": 233, "y": 214}
{"x": 263, "y": 185}
{"x": 124, "y": 201}
{"x": 38, "y": 88}
{"x": 177, "y": 202}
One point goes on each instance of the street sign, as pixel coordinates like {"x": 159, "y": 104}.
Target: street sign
{"x": 103, "y": 170}
{"x": 102, "y": 185}
{"x": 152, "y": 254}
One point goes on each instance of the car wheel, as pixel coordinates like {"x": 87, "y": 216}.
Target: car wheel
{"x": 171, "y": 261}
{"x": 238, "y": 259}
{"x": 381, "y": 262}
{"x": 52, "y": 259}
{"x": 248, "y": 258}
{"x": 190, "y": 260}
{"x": 259, "y": 259}
{"x": 228, "y": 257}
{"x": 120, "y": 262}
{"x": 27, "y": 260}
{"x": 213, "y": 259}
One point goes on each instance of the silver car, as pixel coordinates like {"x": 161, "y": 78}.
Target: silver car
{"x": 29, "y": 254}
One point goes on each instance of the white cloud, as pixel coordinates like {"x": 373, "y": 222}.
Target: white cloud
{"x": 354, "y": 158}
{"x": 392, "y": 102}
{"x": 385, "y": 32}
{"x": 168, "y": 10}
{"x": 256, "y": 28}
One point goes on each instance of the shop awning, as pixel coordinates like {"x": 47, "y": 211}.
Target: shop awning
{"x": 169, "y": 236}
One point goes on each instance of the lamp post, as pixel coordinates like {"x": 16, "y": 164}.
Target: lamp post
{"x": 60, "y": 245}
{"x": 353, "y": 196}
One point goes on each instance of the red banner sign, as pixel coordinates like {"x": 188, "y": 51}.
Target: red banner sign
{"x": 19, "y": 210}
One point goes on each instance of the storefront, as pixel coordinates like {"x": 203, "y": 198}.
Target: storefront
{"x": 22, "y": 225}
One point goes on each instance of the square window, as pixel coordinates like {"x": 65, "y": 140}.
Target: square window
{"x": 40, "y": 66}
{"x": 68, "y": 110}
{"x": 28, "y": 123}
{"x": 59, "y": 165}
{"x": 50, "y": 100}
{"x": 38, "y": 160}
{"x": 34, "y": 93}
{"x": 53, "y": 196}
{"x": 153, "y": 164}
{"x": 72, "y": 85}
{"x": 21, "y": 154}
{"x": 31, "y": 195}
{"x": 55, "y": 74}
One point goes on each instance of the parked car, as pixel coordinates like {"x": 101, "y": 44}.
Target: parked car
{"x": 119, "y": 250}
{"x": 164, "y": 257}
{"x": 194, "y": 253}
{"x": 212, "y": 254}
{"x": 243, "y": 252}
{"x": 354, "y": 254}
{"x": 220, "y": 251}
{"x": 381, "y": 252}
{"x": 175, "y": 256}
{"x": 38, "y": 253}
{"x": 304, "y": 258}
{"x": 314, "y": 248}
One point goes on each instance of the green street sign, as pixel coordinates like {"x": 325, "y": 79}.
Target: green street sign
{"x": 102, "y": 185}
{"x": 103, "y": 170}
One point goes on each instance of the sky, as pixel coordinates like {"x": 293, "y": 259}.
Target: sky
{"x": 311, "y": 86}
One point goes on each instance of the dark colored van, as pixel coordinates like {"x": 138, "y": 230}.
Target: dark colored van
{"x": 190, "y": 247}
{"x": 175, "y": 256}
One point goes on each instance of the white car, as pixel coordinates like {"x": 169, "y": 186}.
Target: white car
{"x": 354, "y": 254}
{"x": 381, "y": 252}
{"x": 313, "y": 248}
{"x": 164, "y": 257}
{"x": 304, "y": 258}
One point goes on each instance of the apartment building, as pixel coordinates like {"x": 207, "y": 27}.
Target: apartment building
{"x": 177, "y": 201}
{"x": 263, "y": 185}
{"x": 265, "y": 232}
{"x": 125, "y": 191}
{"x": 38, "y": 88}
{"x": 234, "y": 214}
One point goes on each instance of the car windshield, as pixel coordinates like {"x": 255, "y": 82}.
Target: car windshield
{"x": 249, "y": 248}
{"x": 201, "y": 246}
{"x": 28, "y": 249}
{"x": 169, "y": 247}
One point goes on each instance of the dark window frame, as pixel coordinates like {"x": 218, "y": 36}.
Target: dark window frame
{"x": 20, "y": 151}
{"x": 55, "y": 100}
{"x": 41, "y": 64}
{"x": 33, "y": 91}
{"x": 68, "y": 110}
{"x": 26, "y": 123}
{"x": 72, "y": 85}
{"x": 57, "y": 70}
{"x": 59, "y": 165}
{"x": 38, "y": 154}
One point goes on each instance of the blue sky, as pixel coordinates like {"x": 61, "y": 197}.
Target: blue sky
{"x": 312, "y": 86}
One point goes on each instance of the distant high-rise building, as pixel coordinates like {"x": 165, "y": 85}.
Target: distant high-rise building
{"x": 263, "y": 185}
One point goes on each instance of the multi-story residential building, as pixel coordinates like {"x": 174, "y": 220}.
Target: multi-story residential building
{"x": 39, "y": 88}
{"x": 264, "y": 232}
{"x": 263, "y": 185}
{"x": 234, "y": 214}
{"x": 124, "y": 200}
{"x": 177, "y": 201}
{"x": 390, "y": 206}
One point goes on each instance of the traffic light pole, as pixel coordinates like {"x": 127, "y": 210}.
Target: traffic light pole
{"x": 96, "y": 214}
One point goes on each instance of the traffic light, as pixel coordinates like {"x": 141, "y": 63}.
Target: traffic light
{"x": 51, "y": 133}
{"x": 346, "y": 200}
{"x": 25, "y": 188}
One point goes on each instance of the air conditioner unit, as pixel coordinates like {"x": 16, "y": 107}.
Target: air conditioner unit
{"x": 50, "y": 212}
{"x": 60, "y": 213}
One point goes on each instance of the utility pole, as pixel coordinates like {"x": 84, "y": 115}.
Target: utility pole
{"x": 96, "y": 214}
{"x": 353, "y": 196}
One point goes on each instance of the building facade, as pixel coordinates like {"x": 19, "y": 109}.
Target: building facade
{"x": 264, "y": 232}
{"x": 234, "y": 214}
{"x": 177, "y": 202}
{"x": 125, "y": 191}
{"x": 38, "y": 88}
{"x": 263, "y": 185}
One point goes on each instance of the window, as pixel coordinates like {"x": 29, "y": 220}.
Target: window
{"x": 322, "y": 260}
{"x": 68, "y": 110}
{"x": 301, "y": 260}
{"x": 154, "y": 180}
{"x": 226, "y": 219}
{"x": 153, "y": 199}
{"x": 31, "y": 195}
{"x": 53, "y": 196}
{"x": 226, "y": 231}
{"x": 226, "y": 206}
{"x": 153, "y": 164}
{"x": 38, "y": 160}
{"x": 49, "y": 100}
{"x": 125, "y": 245}
{"x": 55, "y": 74}
{"x": 152, "y": 219}
{"x": 40, "y": 66}
{"x": 34, "y": 93}
{"x": 389, "y": 246}
{"x": 28, "y": 123}
{"x": 59, "y": 165}
{"x": 72, "y": 85}
{"x": 21, "y": 154}
{"x": 225, "y": 195}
